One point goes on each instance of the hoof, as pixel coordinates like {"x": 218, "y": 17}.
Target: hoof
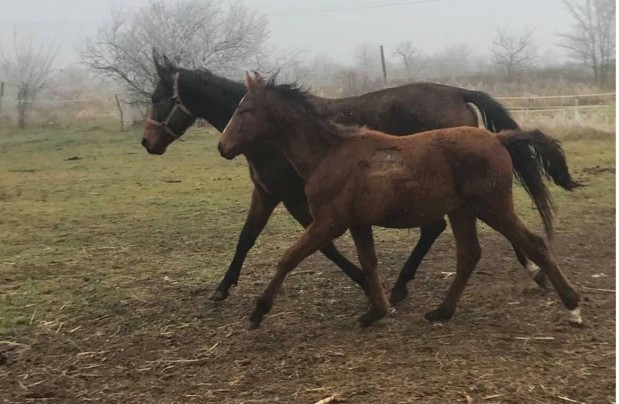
{"x": 371, "y": 316}
{"x": 537, "y": 274}
{"x": 252, "y": 325}
{"x": 540, "y": 278}
{"x": 398, "y": 294}
{"x": 576, "y": 318}
{"x": 219, "y": 295}
{"x": 255, "y": 319}
{"x": 438, "y": 315}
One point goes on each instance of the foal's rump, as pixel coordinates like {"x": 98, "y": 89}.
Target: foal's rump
{"x": 409, "y": 180}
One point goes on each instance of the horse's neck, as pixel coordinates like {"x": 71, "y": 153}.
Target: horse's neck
{"x": 305, "y": 143}
{"x": 211, "y": 97}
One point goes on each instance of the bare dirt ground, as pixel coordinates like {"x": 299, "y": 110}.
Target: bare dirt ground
{"x": 134, "y": 323}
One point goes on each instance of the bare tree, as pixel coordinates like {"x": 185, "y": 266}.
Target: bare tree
{"x": 512, "y": 53}
{"x": 29, "y": 66}
{"x": 408, "y": 54}
{"x": 192, "y": 33}
{"x": 592, "y": 40}
{"x": 366, "y": 57}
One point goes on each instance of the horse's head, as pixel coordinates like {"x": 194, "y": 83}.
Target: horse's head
{"x": 168, "y": 118}
{"x": 249, "y": 122}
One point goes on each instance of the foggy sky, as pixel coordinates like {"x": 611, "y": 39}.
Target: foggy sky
{"x": 309, "y": 26}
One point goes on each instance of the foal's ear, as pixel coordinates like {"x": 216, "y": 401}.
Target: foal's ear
{"x": 258, "y": 77}
{"x": 253, "y": 83}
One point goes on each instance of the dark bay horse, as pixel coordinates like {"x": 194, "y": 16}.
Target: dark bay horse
{"x": 399, "y": 111}
{"x": 357, "y": 177}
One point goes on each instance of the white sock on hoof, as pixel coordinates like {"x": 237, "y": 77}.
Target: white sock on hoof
{"x": 532, "y": 268}
{"x": 575, "y": 317}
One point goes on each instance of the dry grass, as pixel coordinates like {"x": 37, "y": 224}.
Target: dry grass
{"x": 107, "y": 255}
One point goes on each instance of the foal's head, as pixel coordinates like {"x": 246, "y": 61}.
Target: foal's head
{"x": 168, "y": 118}
{"x": 253, "y": 119}
{"x": 249, "y": 122}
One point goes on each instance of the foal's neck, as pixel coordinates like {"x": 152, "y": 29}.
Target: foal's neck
{"x": 304, "y": 139}
{"x": 210, "y": 97}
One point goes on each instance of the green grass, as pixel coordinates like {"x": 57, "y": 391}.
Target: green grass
{"x": 79, "y": 237}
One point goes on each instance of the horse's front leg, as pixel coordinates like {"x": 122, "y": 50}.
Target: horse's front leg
{"x": 364, "y": 242}
{"x": 428, "y": 236}
{"x": 314, "y": 238}
{"x": 262, "y": 206}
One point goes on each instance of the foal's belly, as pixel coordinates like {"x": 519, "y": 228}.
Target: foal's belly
{"x": 403, "y": 200}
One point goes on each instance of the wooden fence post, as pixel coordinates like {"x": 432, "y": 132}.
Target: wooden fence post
{"x": 1, "y": 96}
{"x": 382, "y": 61}
{"x": 576, "y": 115}
{"x": 120, "y": 110}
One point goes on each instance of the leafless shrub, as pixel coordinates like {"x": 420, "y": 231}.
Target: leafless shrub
{"x": 28, "y": 66}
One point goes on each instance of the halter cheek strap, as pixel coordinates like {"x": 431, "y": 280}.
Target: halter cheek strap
{"x": 178, "y": 106}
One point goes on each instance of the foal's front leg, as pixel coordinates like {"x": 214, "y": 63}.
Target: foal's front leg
{"x": 314, "y": 238}
{"x": 379, "y": 306}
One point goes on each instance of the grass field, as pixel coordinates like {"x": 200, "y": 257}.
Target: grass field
{"x": 107, "y": 255}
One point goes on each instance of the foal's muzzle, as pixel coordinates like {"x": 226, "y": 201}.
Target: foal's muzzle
{"x": 227, "y": 154}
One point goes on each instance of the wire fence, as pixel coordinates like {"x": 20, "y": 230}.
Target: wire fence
{"x": 597, "y": 110}
{"x": 68, "y": 104}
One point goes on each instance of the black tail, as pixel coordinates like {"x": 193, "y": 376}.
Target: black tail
{"x": 495, "y": 116}
{"x": 535, "y": 156}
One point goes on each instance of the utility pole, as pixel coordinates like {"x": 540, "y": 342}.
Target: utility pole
{"x": 1, "y": 96}
{"x": 382, "y": 61}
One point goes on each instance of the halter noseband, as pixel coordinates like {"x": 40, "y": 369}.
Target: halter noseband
{"x": 178, "y": 105}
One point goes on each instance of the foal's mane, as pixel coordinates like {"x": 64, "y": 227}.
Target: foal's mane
{"x": 295, "y": 93}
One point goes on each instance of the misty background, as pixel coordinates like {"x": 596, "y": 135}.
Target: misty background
{"x": 97, "y": 53}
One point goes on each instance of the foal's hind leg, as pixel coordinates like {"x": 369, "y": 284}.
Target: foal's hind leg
{"x": 364, "y": 241}
{"x": 468, "y": 253}
{"x": 506, "y": 222}
{"x": 428, "y": 236}
{"x": 300, "y": 211}
{"x": 533, "y": 270}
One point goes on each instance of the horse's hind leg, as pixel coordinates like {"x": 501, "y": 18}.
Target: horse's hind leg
{"x": 428, "y": 236}
{"x": 506, "y": 222}
{"x": 364, "y": 241}
{"x": 300, "y": 211}
{"x": 533, "y": 270}
{"x": 468, "y": 253}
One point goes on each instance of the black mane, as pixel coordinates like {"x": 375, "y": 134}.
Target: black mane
{"x": 295, "y": 93}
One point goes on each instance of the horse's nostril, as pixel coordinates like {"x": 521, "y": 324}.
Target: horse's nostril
{"x": 144, "y": 142}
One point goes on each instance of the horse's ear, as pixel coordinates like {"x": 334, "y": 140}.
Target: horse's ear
{"x": 165, "y": 68}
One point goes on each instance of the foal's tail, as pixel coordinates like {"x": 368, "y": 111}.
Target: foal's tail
{"x": 534, "y": 156}
{"x": 495, "y": 116}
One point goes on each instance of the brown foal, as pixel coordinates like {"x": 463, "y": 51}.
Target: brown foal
{"x": 356, "y": 178}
